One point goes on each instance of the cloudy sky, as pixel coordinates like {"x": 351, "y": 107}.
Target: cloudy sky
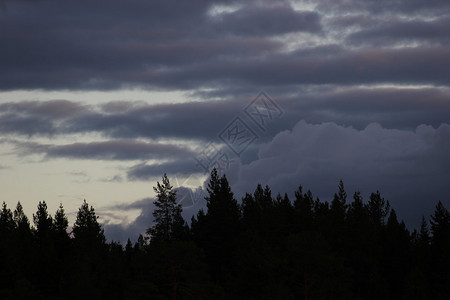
{"x": 99, "y": 98}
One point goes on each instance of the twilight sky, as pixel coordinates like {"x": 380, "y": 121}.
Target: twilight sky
{"x": 99, "y": 98}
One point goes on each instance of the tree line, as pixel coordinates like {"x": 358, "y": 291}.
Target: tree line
{"x": 263, "y": 247}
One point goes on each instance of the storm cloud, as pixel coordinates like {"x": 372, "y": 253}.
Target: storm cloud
{"x": 406, "y": 164}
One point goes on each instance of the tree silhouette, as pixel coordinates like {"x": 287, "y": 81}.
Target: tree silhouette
{"x": 169, "y": 224}
{"x": 87, "y": 232}
{"x": 265, "y": 248}
{"x": 7, "y": 224}
{"x": 440, "y": 251}
{"x": 217, "y": 231}
{"x": 43, "y": 223}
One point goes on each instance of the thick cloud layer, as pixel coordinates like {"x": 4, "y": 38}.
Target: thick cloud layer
{"x": 219, "y": 44}
{"x": 409, "y": 167}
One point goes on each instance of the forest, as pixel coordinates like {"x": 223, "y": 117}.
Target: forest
{"x": 262, "y": 247}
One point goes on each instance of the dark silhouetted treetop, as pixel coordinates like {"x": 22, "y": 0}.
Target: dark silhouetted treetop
{"x": 7, "y": 223}
{"x": 20, "y": 218}
{"x": 338, "y": 205}
{"x": 378, "y": 209}
{"x": 87, "y": 232}
{"x": 440, "y": 224}
{"x": 303, "y": 205}
{"x": 61, "y": 222}
{"x": 220, "y": 200}
{"x": 168, "y": 225}
{"x": 43, "y": 222}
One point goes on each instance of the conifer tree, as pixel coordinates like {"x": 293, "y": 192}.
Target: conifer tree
{"x": 21, "y": 220}
{"x": 338, "y": 205}
{"x": 61, "y": 222}
{"x": 87, "y": 232}
{"x": 303, "y": 205}
{"x": 378, "y": 209}
{"x": 169, "y": 224}
{"x": 222, "y": 224}
{"x": 43, "y": 223}
{"x": 7, "y": 224}
{"x": 440, "y": 251}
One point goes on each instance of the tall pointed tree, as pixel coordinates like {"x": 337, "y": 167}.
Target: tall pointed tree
{"x": 87, "y": 232}
{"x": 23, "y": 230}
{"x": 378, "y": 209}
{"x": 60, "y": 224}
{"x": 7, "y": 224}
{"x": 168, "y": 225}
{"x": 21, "y": 220}
{"x": 440, "y": 250}
{"x": 303, "y": 205}
{"x": 43, "y": 223}
{"x": 338, "y": 205}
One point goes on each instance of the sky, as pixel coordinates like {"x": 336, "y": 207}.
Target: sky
{"x": 98, "y": 99}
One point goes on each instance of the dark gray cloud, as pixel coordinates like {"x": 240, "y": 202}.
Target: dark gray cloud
{"x": 186, "y": 165}
{"x": 408, "y": 7}
{"x": 106, "y": 150}
{"x": 267, "y": 20}
{"x": 398, "y": 31}
{"x": 393, "y": 107}
{"x": 84, "y": 45}
{"x": 409, "y": 167}
{"x": 171, "y": 45}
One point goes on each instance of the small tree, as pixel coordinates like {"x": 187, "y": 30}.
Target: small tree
{"x": 168, "y": 225}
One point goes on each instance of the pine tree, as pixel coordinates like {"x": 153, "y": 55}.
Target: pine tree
{"x": 169, "y": 224}
{"x": 303, "y": 205}
{"x": 378, "y": 209}
{"x": 397, "y": 256}
{"x": 440, "y": 251}
{"x": 23, "y": 231}
{"x": 21, "y": 220}
{"x": 338, "y": 205}
{"x": 43, "y": 223}
{"x": 7, "y": 224}
{"x": 440, "y": 225}
{"x": 61, "y": 222}
{"x": 220, "y": 200}
{"x": 217, "y": 230}
{"x": 87, "y": 232}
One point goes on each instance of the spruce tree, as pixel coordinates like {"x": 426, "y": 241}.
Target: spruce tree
{"x": 43, "y": 223}
{"x": 169, "y": 225}
{"x": 440, "y": 251}
{"x": 61, "y": 222}
{"x": 87, "y": 232}
{"x": 221, "y": 226}
{"x": 7, "y": 224}
{"x": 21, "y": 220}
{"x": 378, "y": 209}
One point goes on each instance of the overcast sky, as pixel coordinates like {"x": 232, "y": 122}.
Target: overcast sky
{"x": 99, "y": 98}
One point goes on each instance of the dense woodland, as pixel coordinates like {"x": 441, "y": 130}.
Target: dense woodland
{"x": 263, "y": 247}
